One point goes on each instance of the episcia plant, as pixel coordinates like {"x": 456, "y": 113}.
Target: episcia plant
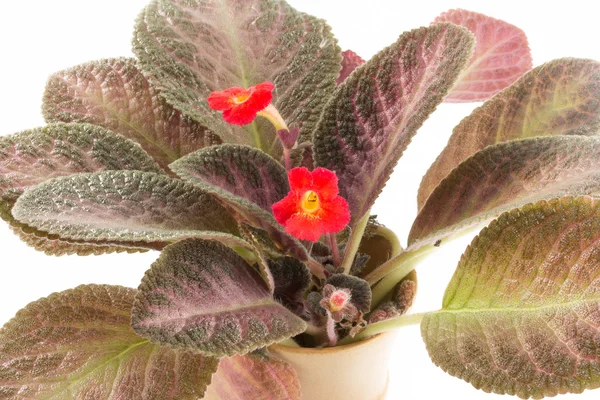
{"x": 248, "y": 149}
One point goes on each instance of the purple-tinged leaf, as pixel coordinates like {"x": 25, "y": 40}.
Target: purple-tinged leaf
{"x": 78, "y": 344}
{"x": 240, "y": 170}
{"x": 256, "y": 377}
{"x": 191, "y": 48}
{"x": 359, "y": 289}
{"x": 33, "y": 156}
{"x": 506, "y": 176}
{"x": 260, "y": 258}
{"x": 125, "y": 206}
{"x": 501, "y": 56}
{"x": 374, "y": 114}
{"x": 350, "y": 62}
{"x": 561, "y": 97}
{"x": 292, "y": 279}
{"x": 202, "y": 296}
{"x": 399, "y": 303}
{"x": 521, "y": 315}
{"x": 246, "y": 180}
{"x": 114, "y": 94}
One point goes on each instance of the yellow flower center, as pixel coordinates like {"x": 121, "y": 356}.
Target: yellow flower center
{"x": 310, "y": 202}
{"x": 239, "y": 99}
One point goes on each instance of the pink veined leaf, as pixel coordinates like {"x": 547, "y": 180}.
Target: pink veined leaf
{"x": 254, "y": 376}
{"x": 501, "y": 56}
{"x": 350, "y": 61}
{"x": 202, "y": 296}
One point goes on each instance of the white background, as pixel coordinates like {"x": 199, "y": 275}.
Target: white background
{"x": 38, "y": 37}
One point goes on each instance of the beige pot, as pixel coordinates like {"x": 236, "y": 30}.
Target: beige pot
{"x": 357, "y": 371}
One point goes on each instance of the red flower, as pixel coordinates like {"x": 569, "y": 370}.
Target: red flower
{"x": 312, "y": 207}
{"x": 240, "y": 105}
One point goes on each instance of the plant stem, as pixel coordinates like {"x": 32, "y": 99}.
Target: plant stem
{"x": 383, "y": 326}
{"x": 334, "y": 249}
{"x": 354, "y": 243}
{"x": 316, "y": 268}
{"x": 331, "y": 334}
{"x": 288, "y": 160}
{"x": 394, "y": 270}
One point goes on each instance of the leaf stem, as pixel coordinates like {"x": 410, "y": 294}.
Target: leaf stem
{"x": 354, "y": 242}
{"x": 394, "y": 270}
{"x": 384, "y": 326}
{"x": 316, "y": 268}
{"x": 334, "y": 249}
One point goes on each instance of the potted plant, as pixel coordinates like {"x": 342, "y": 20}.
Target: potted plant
{"x": 254, "y": 177}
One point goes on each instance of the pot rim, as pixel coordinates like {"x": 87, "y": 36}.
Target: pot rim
{"x": 322, "y": 350}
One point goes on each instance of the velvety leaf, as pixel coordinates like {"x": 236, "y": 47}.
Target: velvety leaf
{"x": 521, "y": 313}
{"x": 240, "y": 170}
{"x": 248, "y": 181}
{"x": 125, "y": 206}
{"x": 191, "y": 48}
{"x": 292, "y": 279}
{"x": 373, "y": 115}
{"x": 359, "y": 289}
{"x": 350, "y": 61}
{"x": 402, "y": 299}
{"x": 506, "y": 176}
{"x": 255, "y": 377}
{"x": 561, "y": 97}
{"x": 114, "y": 94}
{"x": 201, "y": 295}
{"x": 259, "y": 259}
{"x": 33, "y": 156}
{"x": 78, "y": 344}
{"x": 501, "y": 56}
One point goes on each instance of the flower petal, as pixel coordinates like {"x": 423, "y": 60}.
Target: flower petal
{"x": 325, "y": 182}
{"x": 237, "y": 116}
{"x": 304, "y": 226}
{"x": 285, "y": 208}
{"x": 300, "y": 180}
{"x": 220, "y": 101}
{"x": 335, "y": 214}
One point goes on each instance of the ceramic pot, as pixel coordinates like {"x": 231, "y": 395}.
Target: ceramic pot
{"x": 357, "y": 371}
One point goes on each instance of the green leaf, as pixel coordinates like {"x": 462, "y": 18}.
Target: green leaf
{"x": 254, "y": 376}
{"x": 241, "y": 171}
{"x": 248, "y": 181}
{"x": 561, "y": 97}
{"x": 190, "y": 48}
{"x": 125, "y": 206}
{"x": 374, "y": 114}
{"x": 520, "y": 315}
{"x": 506, "y": 176}
{"x": 202, "y": 296}
{"x": 114, "y": 94}
{"x": 36, "y": 155}
{"x": 78, "y": 344}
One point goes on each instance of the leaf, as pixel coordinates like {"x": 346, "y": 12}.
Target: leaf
{"x": 201, "y": 295}
{"x": 350, "y": 62}
{"x": 520, "y": 315}
{"x": 114, "y": 94}
{"x": 501, "y": 56}
{"x": 506, "y": 176}
{"x": 191, "y": 48}
{"x": 360, "y": 290}
{"x": 33, "y": 156}
{"x": 125, "y": 206}
{"x": 240, "y": 170}
{"x": 373, "y": 115}
{"x": 292, "y": 279}
{"x": 402, "y": 299}
{"x": 78, "y": 344}
{"x": 246, "y": 180}
{"x": 561, "y": 97}
{"x": 256, "y": 377}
